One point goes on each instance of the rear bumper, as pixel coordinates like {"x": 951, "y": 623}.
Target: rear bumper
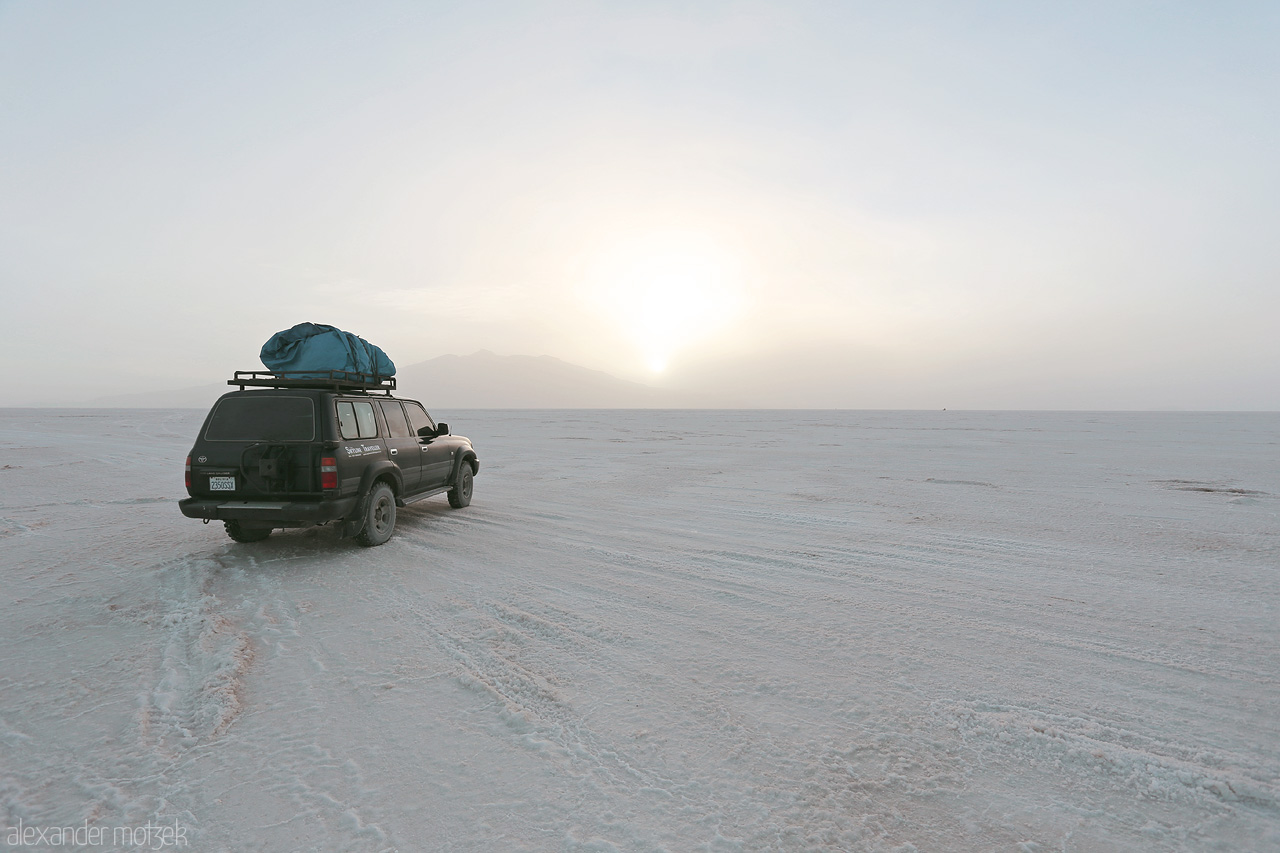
{"x": 277, "y": 513}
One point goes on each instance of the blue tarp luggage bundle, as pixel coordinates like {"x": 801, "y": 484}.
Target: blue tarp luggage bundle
{"x": 312, "y": 350}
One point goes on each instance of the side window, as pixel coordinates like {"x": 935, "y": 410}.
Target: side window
{"x": 347, "y": 421}
{"x": 364, "y": 419}
{"x": 397, "y": 426}
{"x": 418, "y": 418}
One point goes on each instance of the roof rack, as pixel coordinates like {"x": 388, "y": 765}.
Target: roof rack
{"x": 336, "y": 380}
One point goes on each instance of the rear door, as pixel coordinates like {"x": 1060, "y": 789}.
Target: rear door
{"x": 255, "y": 445}
{"x": 402, "y": 444}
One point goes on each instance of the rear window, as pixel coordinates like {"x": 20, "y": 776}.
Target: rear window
{"x": 262, "y": 419}
{"x": 355, "y": 420}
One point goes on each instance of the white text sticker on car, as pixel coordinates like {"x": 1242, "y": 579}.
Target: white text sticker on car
{"x": 222, "y": 484}
{"x": 361, "y": 449}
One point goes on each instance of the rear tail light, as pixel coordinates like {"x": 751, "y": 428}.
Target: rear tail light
{"x": 188, "y": 472}
{"x": 328, "y": 472}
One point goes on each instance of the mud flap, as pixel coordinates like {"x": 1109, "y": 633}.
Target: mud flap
{"x": 353, "y": 524}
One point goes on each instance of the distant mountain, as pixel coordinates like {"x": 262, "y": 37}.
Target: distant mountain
{"x": 481, "y": 380}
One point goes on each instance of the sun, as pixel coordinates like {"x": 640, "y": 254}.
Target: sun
{"x": 665, "y": 291}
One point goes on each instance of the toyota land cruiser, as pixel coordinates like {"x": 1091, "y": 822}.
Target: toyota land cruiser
{"x": 294, "y": 451}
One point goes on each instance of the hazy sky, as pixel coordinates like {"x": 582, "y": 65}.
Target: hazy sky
{"x": 983, "y": 205}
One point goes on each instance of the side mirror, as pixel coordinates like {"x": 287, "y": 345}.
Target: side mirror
{"x": 442, "y": 429}
{"x": 426, "y": 432}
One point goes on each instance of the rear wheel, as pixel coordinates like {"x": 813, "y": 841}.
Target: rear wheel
{"x": 460, "y": 494}
{"x": 242, "y": 534}
{"x": 380, "y": 516}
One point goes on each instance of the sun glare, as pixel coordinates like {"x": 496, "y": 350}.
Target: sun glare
{"x": 664, "y": 292}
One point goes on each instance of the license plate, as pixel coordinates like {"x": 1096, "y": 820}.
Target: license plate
{"x": 222, "y": 484}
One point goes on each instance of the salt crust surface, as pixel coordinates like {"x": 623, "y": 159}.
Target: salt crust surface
{"x": 879, "y": 631}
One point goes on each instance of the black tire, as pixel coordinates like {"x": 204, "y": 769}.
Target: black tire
{"x": 241, "y": 534}
{"x": 460, "y": 494}
{"x": 379, "y": 516}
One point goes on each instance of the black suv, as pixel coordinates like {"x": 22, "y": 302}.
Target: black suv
{"x": 293, "y": 452}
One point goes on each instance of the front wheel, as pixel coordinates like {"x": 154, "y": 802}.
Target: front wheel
{"x": 380, "y": 516}
{"x": 242, "y": 534}
{"x": 460, "y": 494}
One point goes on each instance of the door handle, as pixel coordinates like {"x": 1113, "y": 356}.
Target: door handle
{"x": 394, "y": 451}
